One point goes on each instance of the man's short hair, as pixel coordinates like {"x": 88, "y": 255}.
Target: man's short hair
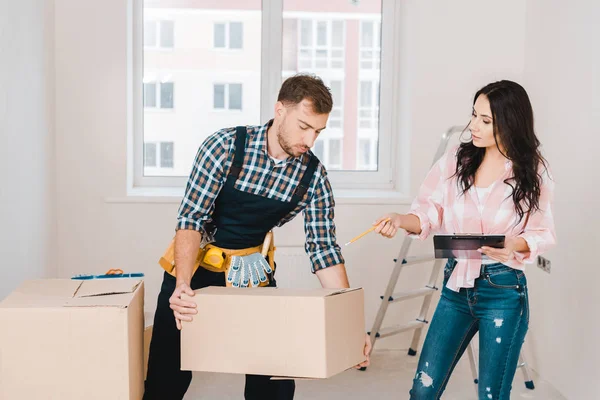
{"x": 309, "y": 87}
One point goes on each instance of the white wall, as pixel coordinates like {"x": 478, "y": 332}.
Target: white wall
{"x": 27, "y": 167}
{"x": 91, "y": 121}
{"x": 562, "y": 74}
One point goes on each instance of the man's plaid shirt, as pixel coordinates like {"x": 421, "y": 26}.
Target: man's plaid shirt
{"x": 262, "y": 176}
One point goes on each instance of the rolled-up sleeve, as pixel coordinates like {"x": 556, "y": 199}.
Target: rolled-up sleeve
{"x": 205, "y": 182}
{"x": 321, "y": 245}
{"x": 539, "y": 231}
{"x": 427, "y": 206}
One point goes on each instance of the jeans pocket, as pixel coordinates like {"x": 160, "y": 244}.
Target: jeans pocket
{"x": 508, "y": 279}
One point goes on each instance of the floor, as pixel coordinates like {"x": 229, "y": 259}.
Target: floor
{"x": 389, "y": 377}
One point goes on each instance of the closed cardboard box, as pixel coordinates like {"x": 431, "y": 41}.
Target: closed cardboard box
{"x": 72, "y": 340}
{"x": 279, "y": 332}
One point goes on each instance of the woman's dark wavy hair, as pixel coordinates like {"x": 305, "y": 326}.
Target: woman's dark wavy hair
{"x": 513, "y": 128}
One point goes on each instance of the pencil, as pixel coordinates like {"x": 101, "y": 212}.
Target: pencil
{"x": 371, "y": 229}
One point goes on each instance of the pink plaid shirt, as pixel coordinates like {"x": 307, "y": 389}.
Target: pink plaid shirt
{"x": 442, "y": 208}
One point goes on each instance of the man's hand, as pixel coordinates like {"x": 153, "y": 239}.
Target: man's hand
{"x": 183, "y": 310}
{"x": 367, "y": 362}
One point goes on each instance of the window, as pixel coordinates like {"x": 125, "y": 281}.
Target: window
{"x": 228, "y": 35}
{"x": 321, "y": 44}
{"x": 150, "y": 154}
{"x": 158, "y": 151}
{"x": 368, "y": 108}
{"x": 349, "y": 48}
{"x": 166, "y": 155}
{"x": 370, "y": 44}
{"x": 335, "y": 46}
{"x": 159, "y": 34}
{"x": 227, "y": 96}
{"x": 158, "y": 94}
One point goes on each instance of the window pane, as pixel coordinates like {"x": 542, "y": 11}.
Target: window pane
{"x": 219, "y": 96}
{"x": 150, "y": 154}
{"x": 337, "y": 34}
{"x": 219, "y": 36}
{"x": 306, "y": 33}
{"x": 235, "y": 96}
{"x": 202, "y": 74}
{"x": 335, "y": 152}
{"x": 166, "y": 155}
{"x": 364, "y": 149}
{"x": 236, "y": 35}
{"x": 166, "y": 95}
{"x": 365, "y": 93}
{"x": 318, "y": 150}
{"x": 322, "y": 33}
{"x": 150, "y": 94}
{"x": 366, "y": 38}
{"x": 336, "y": 93}
{"x": 150, "y": 33}
{"x": 167, "y": 34}
{"x": 330, "y": 42}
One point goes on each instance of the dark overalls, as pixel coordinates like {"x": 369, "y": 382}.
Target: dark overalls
{"x": 241, "y": 220}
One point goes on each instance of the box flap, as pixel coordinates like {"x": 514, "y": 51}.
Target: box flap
{"x": 117, "y": 292}
{"x": 41, "y": 293}
{"x": 58, "y": 293}
{"x": 341, "y": 291}
{"x": 270, "y": 292}
{"x": 102, "y": 287}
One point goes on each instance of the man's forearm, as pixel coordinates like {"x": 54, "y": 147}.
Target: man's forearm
{"x": 187, "y": 243}
{"x": 333, "y": 277}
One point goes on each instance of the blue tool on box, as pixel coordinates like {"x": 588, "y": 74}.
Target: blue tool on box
{"x": 111, "y": 273}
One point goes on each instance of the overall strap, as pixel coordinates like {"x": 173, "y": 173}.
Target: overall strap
{"x": 305, "y": 180}
{"x": 240, "y": 149}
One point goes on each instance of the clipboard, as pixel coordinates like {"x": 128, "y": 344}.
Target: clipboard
{"x": 464, "y": 246}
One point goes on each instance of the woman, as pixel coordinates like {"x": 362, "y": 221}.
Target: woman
{"x": 496, "y": 183}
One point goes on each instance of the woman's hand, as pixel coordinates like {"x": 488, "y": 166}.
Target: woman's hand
{"x": 502, "y": 255}
{"x": 388, "y": 225}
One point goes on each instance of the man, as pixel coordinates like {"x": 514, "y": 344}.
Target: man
{"x": 244, "y": 182}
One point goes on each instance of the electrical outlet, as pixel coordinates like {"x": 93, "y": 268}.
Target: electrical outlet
{"x": 544, "y": 264}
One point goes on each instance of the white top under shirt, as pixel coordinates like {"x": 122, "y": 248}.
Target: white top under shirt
{"x": 481, "y": 193}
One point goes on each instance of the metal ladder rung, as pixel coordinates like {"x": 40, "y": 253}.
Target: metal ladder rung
{"x": 411, "y": 294}
{"x": 415, "y": 260}
{"x": 393, "y": 330}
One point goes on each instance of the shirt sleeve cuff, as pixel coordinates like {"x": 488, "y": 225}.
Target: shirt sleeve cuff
{"x": 528, "y": 257}
{"x": 325, "y": 259}
{"x": 189, "y": 224}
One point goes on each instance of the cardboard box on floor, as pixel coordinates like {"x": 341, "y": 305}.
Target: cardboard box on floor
{"x": 279, "y": 332}
{"x": 148, "y": 325}
{"x": 71, "y": 340}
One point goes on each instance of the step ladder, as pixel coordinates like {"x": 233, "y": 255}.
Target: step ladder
{"x": 426, "y": 292}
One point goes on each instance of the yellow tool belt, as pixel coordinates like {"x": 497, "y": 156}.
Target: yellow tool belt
{"x": 217, "y": 259}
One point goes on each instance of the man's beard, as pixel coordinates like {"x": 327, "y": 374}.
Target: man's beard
{"x": 285, "y": 145}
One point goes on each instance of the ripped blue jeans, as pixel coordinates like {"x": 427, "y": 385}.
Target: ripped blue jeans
{"x": 498, "y": 307}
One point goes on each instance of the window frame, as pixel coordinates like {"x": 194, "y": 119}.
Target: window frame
{"x": 158, "y": 27}
{"x": 227, "y": 97}
{"x": 387, "y": 177}
{"x": 227, "y": 38}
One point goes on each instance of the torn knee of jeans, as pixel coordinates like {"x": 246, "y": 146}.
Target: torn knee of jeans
{"x": 425, "y": 379}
